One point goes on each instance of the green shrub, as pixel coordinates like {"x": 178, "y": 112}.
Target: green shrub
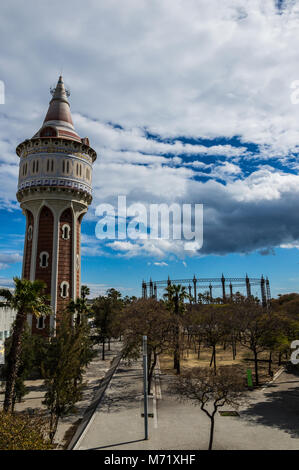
{"x": 20, "y": 431}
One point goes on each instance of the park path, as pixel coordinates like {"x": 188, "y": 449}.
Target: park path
{"x": 93, "y": 375}
{"x": 268, "y": 421}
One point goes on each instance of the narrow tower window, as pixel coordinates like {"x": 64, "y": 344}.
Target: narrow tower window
{"x": 66, "y": 229}
{"x": 44, "y": 256}
{"x": 29, "y": 233}
{"x": 40, "y": 322}
{"x": 64, "y": 289}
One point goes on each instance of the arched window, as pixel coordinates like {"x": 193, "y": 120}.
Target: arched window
{"x": 33, "y": 166}
{"x": 63, "y": 166}
{"x": 66, "y": 229}
{"x": 52, "y": 165}
{"x": 64, "y": 289}
{"x": 43, "y": 257}
{"x": 87, "y": 174}
{"x": 67, "y": 167}
{"x": 77, "y": 169}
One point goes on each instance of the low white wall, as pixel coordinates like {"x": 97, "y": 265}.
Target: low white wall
{"x": 7, "y": 317}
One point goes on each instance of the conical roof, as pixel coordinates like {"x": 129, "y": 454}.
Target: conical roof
{"x": 59, "y": 108}
{"x": 58, "y": 121}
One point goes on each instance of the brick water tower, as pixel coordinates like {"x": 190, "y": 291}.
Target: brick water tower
{"x": 54, "y": 191}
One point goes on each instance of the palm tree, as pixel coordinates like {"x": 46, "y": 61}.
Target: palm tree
{"x": 85, "y": 291}
{"x": 27, "y": 298}
{"x": 79, "y": 309}
{"x": 176, "y": 295}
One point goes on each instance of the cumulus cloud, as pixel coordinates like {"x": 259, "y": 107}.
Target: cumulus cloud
{"x": 183, "y": 101}
{"x": 6, "y": 259}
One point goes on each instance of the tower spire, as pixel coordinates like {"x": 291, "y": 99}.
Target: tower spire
{"x": 58, "y": 121}
{"x": 59, "y": 107}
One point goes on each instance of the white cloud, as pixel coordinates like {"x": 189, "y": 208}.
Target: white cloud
{"x": 9, "y": 258}
{"x": 175, "y": 68}
{"x": 209, "y": 69}
{"x": 101, "y": 289}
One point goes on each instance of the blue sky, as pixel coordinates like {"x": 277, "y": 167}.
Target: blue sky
{"x": 184, "y": 101}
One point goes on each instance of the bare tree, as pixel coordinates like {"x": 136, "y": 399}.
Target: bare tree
{"x": 151, "y": 318}
{"x": 254, "y": 328}
{"x": 210, "y": 319}
{"x": 210, "y": 391}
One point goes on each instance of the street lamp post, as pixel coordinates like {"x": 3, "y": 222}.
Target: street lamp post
{"x": 145, "y": 387}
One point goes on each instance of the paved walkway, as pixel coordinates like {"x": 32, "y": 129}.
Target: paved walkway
{"x": 269, "y": 421}
{"x": 92, "y": 377}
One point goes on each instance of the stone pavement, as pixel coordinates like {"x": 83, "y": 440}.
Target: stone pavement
{"x": 269, "y": 420}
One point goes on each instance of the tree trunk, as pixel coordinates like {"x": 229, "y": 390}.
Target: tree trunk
{"x": 103, "y": 350}
{"x": 176, "y": 356}
{"x": 270, "y": 364}
{"x": 53, "y": 426}
{"x": 14, "y": 359}
{"x": 256, "y": 368}
{"x": 150, "y": 374}
{"x": 211, "y": 432}
{"x": 177, "y": 365}
{"x": 214, "y": 354}
{"x": 212, "y": 357}
{"x": 234, "y": 347}
{"x": 13, "y": 403}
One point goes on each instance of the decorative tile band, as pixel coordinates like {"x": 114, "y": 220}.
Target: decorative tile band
{"x": 55, "y": 182}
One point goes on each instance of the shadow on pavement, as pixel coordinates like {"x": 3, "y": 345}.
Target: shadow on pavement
{"x": 281, "y": 410}
{"x": 118, "y": 444}
{"x": 120, "y": 398}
